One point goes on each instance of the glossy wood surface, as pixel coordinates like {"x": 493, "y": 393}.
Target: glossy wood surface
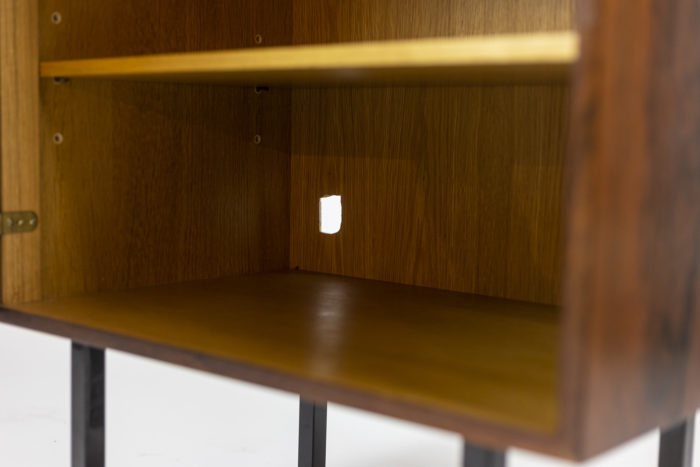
{"x": 633, "y": 291}
{"x": 411, "y": 352}
{"x": 19, "y": 147}
{"x": 156, "y": 183}
{"x": 502, "y": 58}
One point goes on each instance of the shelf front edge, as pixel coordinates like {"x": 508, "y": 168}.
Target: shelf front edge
{"x": 542, "y": 56}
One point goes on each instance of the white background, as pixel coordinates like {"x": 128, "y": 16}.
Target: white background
{"x": 161, "y": 415}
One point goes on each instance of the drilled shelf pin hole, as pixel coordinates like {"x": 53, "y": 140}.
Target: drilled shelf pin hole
{"x": 56, "y": 17}
{"x": 258, "y": 39}
{"x": 57, "y": 138}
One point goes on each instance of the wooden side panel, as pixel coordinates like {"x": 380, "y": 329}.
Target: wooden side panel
{"x": 19, "y": 146}
{"x": 490, "y": 374}
{"x": 633, "y": 288}
{"x": 134, "y": 27}
{"x": 454, "y": 187}
{"x": 156, "y": 183}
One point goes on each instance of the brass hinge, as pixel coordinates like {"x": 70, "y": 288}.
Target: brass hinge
{"x": 18, "y": 222}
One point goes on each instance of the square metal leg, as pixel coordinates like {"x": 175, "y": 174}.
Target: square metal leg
{"x": 676, "y": 447}
{"x": 87, "y": 406}
{"x": 312, "y": 434}
{"x": 475, "y": 456}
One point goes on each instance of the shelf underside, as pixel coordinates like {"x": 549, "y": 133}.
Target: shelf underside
{"x": 436, "y": 357}
{"x": 497, "y": 58}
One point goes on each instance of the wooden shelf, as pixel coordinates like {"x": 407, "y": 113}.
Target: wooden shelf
{"x": 441, "y": 358}
{"x": 523, "y": 57}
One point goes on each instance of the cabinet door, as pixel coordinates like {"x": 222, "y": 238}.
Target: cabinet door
{"x": 19, "y": 146}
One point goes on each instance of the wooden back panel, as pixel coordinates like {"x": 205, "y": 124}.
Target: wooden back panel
{"x": 633, "y": 281}
{"x": 455, "y": 187}
{"x": 156, "y": 183}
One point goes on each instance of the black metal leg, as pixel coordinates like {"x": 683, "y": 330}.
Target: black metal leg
{"x": 88, "y": 406}
{"x": 676, "y": 448}
{"x": 475, "y": 456}
{"x": 312, "y": 434}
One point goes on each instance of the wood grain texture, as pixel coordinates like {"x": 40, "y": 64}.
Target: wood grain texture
{"x": 633, "y": 283}
{"x": 322, "y": 21}
{"x": 454, "y": 188}
{"x": 161, "y": 183}
{"x": 158, "y": 183}
{"x": 396, "y": 349}
{"x": 515, "y": 57}
{"x": 135, "y": 27}
{"x": 19, "y": 147}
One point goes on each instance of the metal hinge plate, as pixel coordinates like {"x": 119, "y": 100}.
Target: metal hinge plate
{"x": 18, "y": 222}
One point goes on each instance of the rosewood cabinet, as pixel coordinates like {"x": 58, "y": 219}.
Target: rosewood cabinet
{"x": 519, "y": 253}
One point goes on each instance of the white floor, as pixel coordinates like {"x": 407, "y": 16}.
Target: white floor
{"x": 160, "y": 415}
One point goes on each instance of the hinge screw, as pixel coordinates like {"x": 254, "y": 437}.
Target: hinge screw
{"x": 32, "y": 221}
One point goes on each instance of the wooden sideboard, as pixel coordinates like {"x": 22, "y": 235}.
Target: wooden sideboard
{"x": 519, "y": 254}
